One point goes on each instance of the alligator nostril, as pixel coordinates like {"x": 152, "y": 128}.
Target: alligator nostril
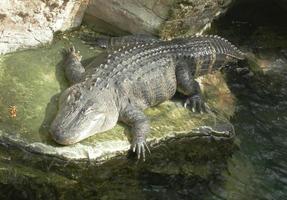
{"x": 61, "y": 136}
{"x": 56, "y": 132}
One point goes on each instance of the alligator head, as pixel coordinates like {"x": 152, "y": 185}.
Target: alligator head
{"x": 83, "y": 113}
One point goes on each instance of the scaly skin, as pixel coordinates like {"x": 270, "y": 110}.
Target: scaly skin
{"x": 133, "y": 78}
{"x": 117, "y": 42}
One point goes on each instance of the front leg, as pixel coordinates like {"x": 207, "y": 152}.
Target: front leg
{"x": 73, "y": 67}
{"x": 140, "y": 127}
{"x": 187, "y": 85}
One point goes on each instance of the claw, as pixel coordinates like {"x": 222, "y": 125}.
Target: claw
{"x": 145, "y": 144}
{"x": 71, "y": 52}
{"x": 196, "y": 104}
{"x": 143, "y": 152}
{"x": 140, "y": 148}
{"x": 138, "y": 152}
{"x": 72, "y": 49}
{"x": 186, "y": 103}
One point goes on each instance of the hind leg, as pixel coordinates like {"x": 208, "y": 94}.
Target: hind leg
{"x": 187, "y": 85}
{"x": 73, "y": 67}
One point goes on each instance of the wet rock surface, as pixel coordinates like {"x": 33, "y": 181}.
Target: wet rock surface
{"x": 26, "y": 24}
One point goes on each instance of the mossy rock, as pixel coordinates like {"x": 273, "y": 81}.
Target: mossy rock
{"x": 30, "y": 83}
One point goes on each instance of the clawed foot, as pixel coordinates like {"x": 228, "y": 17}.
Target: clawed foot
{"x": 71, "y": 53}
{"x": 196, "y": 103}
{"x": 140, "y": 147}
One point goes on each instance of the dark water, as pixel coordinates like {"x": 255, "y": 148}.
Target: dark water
{"x": 256, "y": 170}
{"x": 260, "y": 120}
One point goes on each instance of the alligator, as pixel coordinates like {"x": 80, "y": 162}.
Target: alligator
{"x": 137, "y": 75}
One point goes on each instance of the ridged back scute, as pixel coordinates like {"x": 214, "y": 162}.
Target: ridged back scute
{"x": 209, "y": 43}
{"x": 130, "y": 60}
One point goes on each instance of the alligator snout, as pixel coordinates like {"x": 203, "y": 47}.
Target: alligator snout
{"x": 60, "y": 136}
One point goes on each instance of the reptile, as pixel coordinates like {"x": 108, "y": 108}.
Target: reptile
{"x": 134, "y": 76}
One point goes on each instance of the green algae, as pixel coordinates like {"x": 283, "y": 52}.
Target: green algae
{"x": 28, "y": 81}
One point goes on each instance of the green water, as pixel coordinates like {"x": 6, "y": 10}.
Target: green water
{"x": 259, "y": 169}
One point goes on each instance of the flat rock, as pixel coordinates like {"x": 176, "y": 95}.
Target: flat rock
{"x": 30, "y": 82}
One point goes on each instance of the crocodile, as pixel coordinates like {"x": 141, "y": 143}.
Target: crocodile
{"x": 133, "y": 77}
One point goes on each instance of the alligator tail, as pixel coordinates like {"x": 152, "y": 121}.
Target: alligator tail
{"x": 98, "y": 41}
